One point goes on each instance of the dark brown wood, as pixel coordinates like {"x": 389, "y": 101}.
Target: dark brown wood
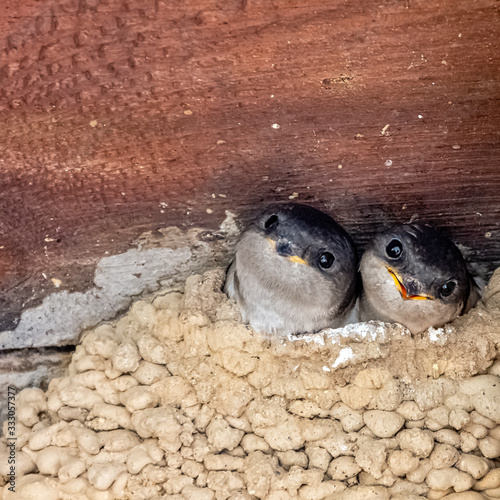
{"x": 122, "y": 116}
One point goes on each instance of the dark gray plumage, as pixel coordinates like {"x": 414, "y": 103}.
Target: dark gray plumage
{"x": 413, "y": 275}
{"x": 295, "y": 271}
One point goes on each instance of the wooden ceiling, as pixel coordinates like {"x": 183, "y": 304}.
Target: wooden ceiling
{"x": 119, "y": 117}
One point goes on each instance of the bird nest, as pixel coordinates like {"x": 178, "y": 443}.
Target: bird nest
{"x": 178, "y": 399}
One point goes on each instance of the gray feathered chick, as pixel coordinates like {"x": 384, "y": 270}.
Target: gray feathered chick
{"x": 295, "y": 271}
{"x": 415, "y": 276}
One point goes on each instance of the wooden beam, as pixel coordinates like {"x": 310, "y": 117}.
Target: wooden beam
{"x": 121, "y": 116}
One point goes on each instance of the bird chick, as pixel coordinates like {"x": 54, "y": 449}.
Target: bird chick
{"x": 413, "y": 275}
{"x": 295, "y": 271}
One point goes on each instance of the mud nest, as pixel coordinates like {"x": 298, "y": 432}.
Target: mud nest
{"x": 178, "y": 399}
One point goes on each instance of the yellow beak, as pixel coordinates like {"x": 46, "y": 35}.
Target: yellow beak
{"x": 272, "y": 243}
{"x": 292, "y": 258}
{"x": 297, "y": 259}
{"x": 402, "y": 290}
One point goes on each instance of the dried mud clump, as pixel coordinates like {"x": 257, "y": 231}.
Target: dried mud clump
{"x": 178, "y": 399}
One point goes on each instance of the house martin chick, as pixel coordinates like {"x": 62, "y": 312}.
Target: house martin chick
{"x": 295, "y": 271}
{"x": 413, "y": 275}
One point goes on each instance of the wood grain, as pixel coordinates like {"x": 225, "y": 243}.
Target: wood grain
{"x": 124, "y": 116}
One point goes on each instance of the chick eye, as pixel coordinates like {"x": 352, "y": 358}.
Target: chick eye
{"x": 394, "y": 249}
{"x": 447, "y": 289}
{"x": 272, "y": 221}
{"x": 326, "y": 260}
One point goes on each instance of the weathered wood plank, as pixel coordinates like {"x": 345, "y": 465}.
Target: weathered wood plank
{"x": 123, "y": 116}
